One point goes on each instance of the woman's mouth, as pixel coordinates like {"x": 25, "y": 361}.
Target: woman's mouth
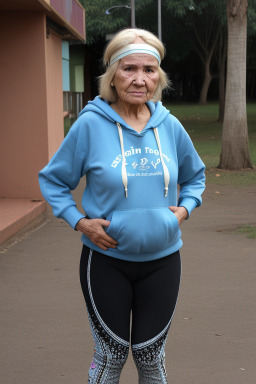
{"x": 137, "y": 93}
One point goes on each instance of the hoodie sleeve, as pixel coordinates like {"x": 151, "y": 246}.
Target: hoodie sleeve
{"x": 61, "y": 175}
{"x": 191, "y": 177}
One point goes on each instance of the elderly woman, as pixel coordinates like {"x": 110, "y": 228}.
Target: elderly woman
{"x": 134, "y": 153}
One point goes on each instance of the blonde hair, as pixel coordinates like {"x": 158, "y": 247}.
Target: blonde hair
{"x": 120, "y": 40}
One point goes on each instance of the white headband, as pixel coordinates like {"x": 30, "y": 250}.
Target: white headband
{"x": 135, "y": 48}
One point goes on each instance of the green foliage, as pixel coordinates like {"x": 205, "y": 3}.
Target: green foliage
{"x": 186, "y": 9}
{"x": 251, "y": 18}
{"x": 199, "y": 9}
{"x": 99, "y": 24}
{"x": 189, "y": 28}
{"x": 178, "y": 19}
{"x": 200, "y": 18}
{"x": 180, "y": 8}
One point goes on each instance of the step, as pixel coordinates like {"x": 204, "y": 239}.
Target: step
{"x": 16, "y": 214}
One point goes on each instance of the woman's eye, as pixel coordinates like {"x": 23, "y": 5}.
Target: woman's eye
{"x": 149, "y": 70}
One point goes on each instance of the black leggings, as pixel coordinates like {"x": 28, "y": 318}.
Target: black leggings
{"x": 113, "y": 290}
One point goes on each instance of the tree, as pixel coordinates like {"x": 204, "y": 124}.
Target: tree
{"x": 203, "y": 20}
{"x": 99, "y": 24}
{"x": 235, "y": 143}
{"x": 189, "y": 30}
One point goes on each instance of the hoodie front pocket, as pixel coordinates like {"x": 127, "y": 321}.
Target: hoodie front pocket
{"x": 144, "y": 230}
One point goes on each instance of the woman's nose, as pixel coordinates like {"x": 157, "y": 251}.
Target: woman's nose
{"x": 139, "y": 78}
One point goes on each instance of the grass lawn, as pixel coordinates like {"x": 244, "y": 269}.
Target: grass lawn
{"x": 200, "y": 121}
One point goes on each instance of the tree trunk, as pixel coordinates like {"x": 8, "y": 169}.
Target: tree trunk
{"x": 235, "y": 143}
{"x": 207, "y": 72}
{"x": 206, "y": 82}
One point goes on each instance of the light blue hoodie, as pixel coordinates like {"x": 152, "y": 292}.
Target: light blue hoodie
{"x": 118, "y": 158}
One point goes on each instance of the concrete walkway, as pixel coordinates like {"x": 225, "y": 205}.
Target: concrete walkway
{"x": 45, "y": 337}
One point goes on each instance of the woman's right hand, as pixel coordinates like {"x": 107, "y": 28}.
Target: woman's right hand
{"x": 93, "y": 229}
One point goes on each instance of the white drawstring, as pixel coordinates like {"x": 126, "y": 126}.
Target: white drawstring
{"x": 166, "y": 171}
{"x": 124, "y": 173}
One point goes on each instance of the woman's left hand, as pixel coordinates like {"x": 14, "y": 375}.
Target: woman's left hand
{"x": 180, "y": 212}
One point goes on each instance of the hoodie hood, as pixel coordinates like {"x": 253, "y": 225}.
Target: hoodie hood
{"x": 102, "y": 107}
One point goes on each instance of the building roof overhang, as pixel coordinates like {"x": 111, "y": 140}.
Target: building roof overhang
{"x": 71, "y": 28}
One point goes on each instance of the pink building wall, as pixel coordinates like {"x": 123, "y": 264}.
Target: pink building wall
{"x": 31, "y": 101}
{"x": 54, "y": 93}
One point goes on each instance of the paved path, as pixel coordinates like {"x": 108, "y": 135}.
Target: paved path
{"x": 45, "y": 337}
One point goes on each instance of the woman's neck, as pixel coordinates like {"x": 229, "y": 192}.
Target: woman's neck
{"x": 136, "y": 115}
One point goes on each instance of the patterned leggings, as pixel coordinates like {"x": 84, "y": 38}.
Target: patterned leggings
{"x": 113, "y": 290}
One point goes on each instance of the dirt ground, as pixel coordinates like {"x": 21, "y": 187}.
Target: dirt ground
{"x": 45, "y": 336}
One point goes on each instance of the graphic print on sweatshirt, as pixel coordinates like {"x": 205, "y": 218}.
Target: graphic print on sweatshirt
{"x": 141, "y": 161}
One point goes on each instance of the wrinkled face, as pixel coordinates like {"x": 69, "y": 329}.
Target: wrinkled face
{"x": 136, "y": 78}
